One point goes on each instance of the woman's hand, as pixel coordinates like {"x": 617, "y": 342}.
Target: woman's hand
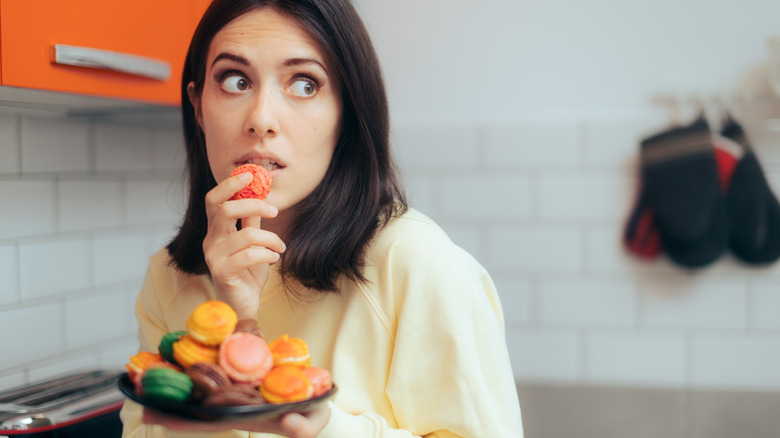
{"x": 239, "y": 260}
{"x": 293, "y": 425}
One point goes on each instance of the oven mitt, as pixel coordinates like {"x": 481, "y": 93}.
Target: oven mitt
{"x": 680, "y": 180}
{"x": 641, "y": 236}
{"x": 753, "y": 209}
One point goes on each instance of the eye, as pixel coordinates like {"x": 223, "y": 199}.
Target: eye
{"x": 304, "y": 88}
{"x": 234, "y": 83}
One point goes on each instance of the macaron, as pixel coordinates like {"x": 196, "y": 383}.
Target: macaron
{"x": 290, "y": 351}
{"x": 260, "y": 185}
{"x": 187, "y": 352}
{"x": 286, "y": 384}
{"x": 320, "y": 379}
{"x": 139, "y": 387}
{"x": 245, "y": 358}
{"x": 211, "y": 321}
{"x": 167, "y": 385}
{"x": 140, "y": 361}
{"x": 166, "y": 344}
{"x": 235, "y": 395}
{"x": 206, "y": 379}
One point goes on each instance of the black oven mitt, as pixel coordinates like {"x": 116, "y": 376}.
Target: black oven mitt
{"x": 753, "y": 210}
{"x": 680, "y": 185}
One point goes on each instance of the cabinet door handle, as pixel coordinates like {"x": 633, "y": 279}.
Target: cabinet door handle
{"x": 110, "y": 60}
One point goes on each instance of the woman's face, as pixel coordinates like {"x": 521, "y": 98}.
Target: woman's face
{"x": 269, "y": 98}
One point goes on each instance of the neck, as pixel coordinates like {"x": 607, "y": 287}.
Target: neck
{"x": 278, "y": 224}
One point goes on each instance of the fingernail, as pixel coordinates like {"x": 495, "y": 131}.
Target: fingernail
{"x": 245, "y": 177}
{"x": 274, "y": 210}
{"x": 284, "y": 247}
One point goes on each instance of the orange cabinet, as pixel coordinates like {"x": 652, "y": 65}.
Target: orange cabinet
{"x": 131, "y": 50}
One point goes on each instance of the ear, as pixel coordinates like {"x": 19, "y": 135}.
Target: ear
{"x": 195, "y": 101}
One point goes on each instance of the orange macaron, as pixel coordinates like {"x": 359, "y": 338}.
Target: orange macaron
{"x": 211, "y": 322}
{"x": 187, "y": 351}
{"x": 140, "y": 362}
{"x": 290, "y": 351}
{"x": 286, "y": 384}
{"x": 260, "y": 185}
{"x": 245, "y": 357}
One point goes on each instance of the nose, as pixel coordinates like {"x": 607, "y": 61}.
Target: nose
{"x": 262, "y": 118}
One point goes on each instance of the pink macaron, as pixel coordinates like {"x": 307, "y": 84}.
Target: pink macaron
{"x": 245, "y": 358}
{"x": 320, "y": 380}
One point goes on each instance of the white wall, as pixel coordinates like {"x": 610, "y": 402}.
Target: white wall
{"x": 83, "y": 204}
{"x": 517, "y": 125}
{"x": 493, "y": 58}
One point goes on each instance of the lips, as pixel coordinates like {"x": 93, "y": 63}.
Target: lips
{"x": 267, "y": 163}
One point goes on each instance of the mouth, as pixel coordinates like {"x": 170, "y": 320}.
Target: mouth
{"x": 266, "y": 163}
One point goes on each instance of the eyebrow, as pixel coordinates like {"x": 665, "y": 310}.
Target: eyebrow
{"x": 231, "y": 57}
{"x": 291, "y": 62}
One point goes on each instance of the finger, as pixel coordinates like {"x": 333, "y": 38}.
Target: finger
{"x": 294, "y": 425}
{"x": 249, "y": 237}
{"x": 250, "y": 222}
{"x": 249, "y": 257}
{"x": 225, "y": 215}
{"x": 230, "y": 268}
{"x": 228, "y": 256}
{"x": 305, "y": 425}
{"x": 225, "y": 190}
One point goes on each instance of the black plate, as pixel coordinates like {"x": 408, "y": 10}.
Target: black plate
{"x": 195, "y": 411}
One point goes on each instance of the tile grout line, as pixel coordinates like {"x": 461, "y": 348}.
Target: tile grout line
{"x": 18, "y": 129}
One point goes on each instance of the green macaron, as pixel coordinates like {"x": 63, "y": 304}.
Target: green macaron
{"x": 167, "y": 385}
{"x": 166, "y": 345}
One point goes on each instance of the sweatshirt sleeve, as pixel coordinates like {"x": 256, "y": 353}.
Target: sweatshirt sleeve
{"x": 450, "y": 374}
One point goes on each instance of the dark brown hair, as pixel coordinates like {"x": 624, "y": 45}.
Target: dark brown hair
{"x": 360, "y": 191}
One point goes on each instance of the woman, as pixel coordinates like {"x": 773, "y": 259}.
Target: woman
{"x": 408, "y": 324}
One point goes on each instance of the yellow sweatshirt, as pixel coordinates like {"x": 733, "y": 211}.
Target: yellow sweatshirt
{"x": 418, "y": 350}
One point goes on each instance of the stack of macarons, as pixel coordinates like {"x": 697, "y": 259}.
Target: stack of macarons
{"x": 220, "y": 361}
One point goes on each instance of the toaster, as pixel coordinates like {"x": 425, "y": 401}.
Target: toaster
{"x": 82, "y": 404}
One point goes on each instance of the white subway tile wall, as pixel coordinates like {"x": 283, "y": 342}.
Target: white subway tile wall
{"x": 55, "y": 145}
{"x": 736, "y": 362}
{"x": 632, "y": 357}
{"x": 763, "y": 306}
{"x": 548, "y": 354}
{"x": 540, "y": 203}
{"x": 29, "y": 207}
{"x": 85, "y": 203}
{"x": 9, "y": 272}
{"x": 54, "y": 266}
{"x": 124, "y": 148}
{"x": 9, "y": 144}
{"x": 542, "y": 206}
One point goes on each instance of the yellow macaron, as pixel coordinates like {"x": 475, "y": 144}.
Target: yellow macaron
{"x": 187, "y": 351}
{"x": 211, "y": 322}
